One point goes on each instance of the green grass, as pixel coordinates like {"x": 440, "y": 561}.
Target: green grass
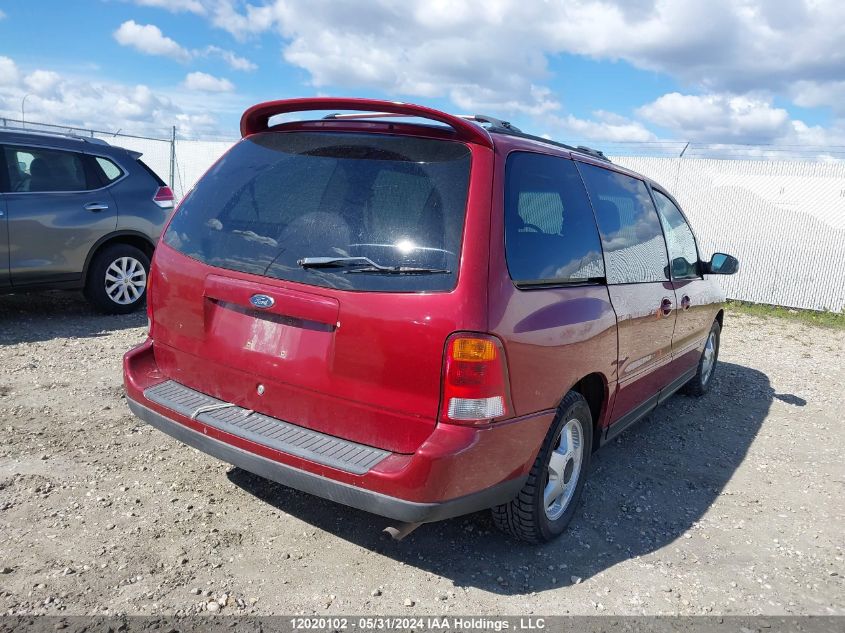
{"x": 810, "y": 317}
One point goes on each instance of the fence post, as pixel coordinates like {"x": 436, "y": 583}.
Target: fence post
{"x": 173, "y": 158}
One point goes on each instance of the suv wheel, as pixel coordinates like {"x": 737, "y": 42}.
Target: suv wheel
{"x": 117, "y": 279}
{"x": 550, "y": 496}
{"x": 700, "y": 383}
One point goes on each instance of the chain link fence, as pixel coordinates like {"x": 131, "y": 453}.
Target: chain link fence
{"x": 779, "y": 209}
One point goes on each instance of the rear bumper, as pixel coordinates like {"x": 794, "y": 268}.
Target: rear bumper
{"x": 457, "y": 470}
{"x": 347, "y": 494}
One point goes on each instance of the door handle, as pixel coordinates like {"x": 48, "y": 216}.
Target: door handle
{"x": 96, "y": 206}
{"x": 686, "y": 302}
{"x": 666, "y": 307}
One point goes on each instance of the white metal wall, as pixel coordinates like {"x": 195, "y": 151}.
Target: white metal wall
{"x": 784, "y": 220}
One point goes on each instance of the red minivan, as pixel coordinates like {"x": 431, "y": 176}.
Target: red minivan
{"x": 421, "y": 315}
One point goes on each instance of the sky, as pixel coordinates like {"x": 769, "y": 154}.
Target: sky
{"x": 715, "y": 71}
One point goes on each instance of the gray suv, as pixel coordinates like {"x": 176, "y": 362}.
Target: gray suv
{"x": 78, "y": 213}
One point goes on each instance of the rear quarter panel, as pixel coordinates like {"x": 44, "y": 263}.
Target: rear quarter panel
{"x": 553, "y": 337}
{"x": 133, "y": 195}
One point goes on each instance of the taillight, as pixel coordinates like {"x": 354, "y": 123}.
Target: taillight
{"x": 149, "y": 303}
{"x": 475, "y": 380}
{"x": 164, "y": 197}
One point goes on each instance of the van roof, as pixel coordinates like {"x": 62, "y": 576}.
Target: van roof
{"x": 494, "y": 126}
{"x": 479, "y": 129}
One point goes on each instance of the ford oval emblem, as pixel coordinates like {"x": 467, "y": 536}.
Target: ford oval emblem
{"x": 262, "y": 301}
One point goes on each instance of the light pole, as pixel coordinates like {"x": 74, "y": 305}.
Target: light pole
{"x": 23, "y": 109}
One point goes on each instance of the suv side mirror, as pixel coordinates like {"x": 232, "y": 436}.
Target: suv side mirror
{"x": 721, "y": 264}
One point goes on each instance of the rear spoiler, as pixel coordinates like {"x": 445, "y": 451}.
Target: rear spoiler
{"x": 256, "y": 119}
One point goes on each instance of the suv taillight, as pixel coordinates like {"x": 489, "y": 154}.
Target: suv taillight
{"x": 475, "y": 380}
{"x": 149, "y": 303}
{"x": 164, "y": 197}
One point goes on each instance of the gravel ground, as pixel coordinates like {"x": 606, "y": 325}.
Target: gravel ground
{"x": 729, "y": 504}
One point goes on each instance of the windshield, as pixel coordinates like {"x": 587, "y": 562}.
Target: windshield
{"x": 276, "y": 199}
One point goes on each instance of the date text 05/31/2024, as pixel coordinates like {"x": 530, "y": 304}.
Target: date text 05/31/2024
{"x": 399, "y": 623}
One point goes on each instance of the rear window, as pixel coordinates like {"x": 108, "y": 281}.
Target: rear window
{"x": 277, "y": 198}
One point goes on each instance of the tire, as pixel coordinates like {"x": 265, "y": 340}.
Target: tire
{"x": 109, "y": 268}
{"x": 700, "y": 383}
{"x": 528, "y": 517}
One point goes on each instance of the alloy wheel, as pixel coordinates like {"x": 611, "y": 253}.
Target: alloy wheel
{"x": 563, "y": 470}
{"x": 125, "y": 280}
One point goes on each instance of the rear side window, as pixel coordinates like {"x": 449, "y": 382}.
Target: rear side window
{"x": 110, "y": 171}
{"x": 550, "y": 231}
{"x": 37, "y": 169}
{"x": 679, "y": 238}
{"x": 634, "y": 248}
{"x": 277, "y": 198}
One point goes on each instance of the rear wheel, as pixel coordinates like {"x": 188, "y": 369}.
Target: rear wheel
{"x": 700, "y": 383}
{"x": 550, "y": 496}
{"x": 117, "y": 279}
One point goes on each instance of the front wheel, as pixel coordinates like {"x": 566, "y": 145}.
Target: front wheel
{"x": 700, "y": 383}
{"x": 550, "y": 496}
{"x": 117, "y": 279}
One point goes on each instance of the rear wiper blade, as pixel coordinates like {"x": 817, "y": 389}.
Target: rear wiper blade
{"x": 336, "y": 262}
{"x": 365, "y": 265}
{"x": 400, "y": 270}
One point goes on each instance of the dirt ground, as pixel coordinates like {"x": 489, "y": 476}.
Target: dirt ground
{"x": 731, "y": 504}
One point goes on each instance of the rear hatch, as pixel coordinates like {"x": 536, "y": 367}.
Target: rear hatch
{"x": 313, "y": 277}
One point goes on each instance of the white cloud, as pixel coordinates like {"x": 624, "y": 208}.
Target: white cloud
{"x": 477, "y": 99}
{"x": 78, "y": 101}
{"x": 255, "y": 19}
{"x": 468, "y": 52}
{"x": 236, "y": 62}
{"x": 811, "y": 94}
{"x": 718, "y": 117}
{"x": 175, "y": 6}
{"x": 2, "y": 14}
{"x": 42, "y": 81}
{"x": 744, "y": 126}
{"x": 207, "y": 83}
{"x": 8, "y": 71}
{"x": 606, "y": 126}
{"x": 493, "y": 52}
{"x": 148, "y": 39}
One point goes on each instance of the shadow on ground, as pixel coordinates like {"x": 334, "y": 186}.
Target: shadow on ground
{"x": 32, "y": 317}
{"x": 645, "y": 490}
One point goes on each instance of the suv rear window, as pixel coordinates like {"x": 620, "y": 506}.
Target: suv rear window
{"x": 276, "y": 198}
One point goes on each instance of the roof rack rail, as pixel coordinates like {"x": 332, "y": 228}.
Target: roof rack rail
{"x": 581, "y": 149}
{"x": 596, "y": 153}
{"x": 495, "y": 124}
{"x": 51, "y": 133}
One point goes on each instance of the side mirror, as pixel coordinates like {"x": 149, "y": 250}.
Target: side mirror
{"x": 722, "y": 264}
